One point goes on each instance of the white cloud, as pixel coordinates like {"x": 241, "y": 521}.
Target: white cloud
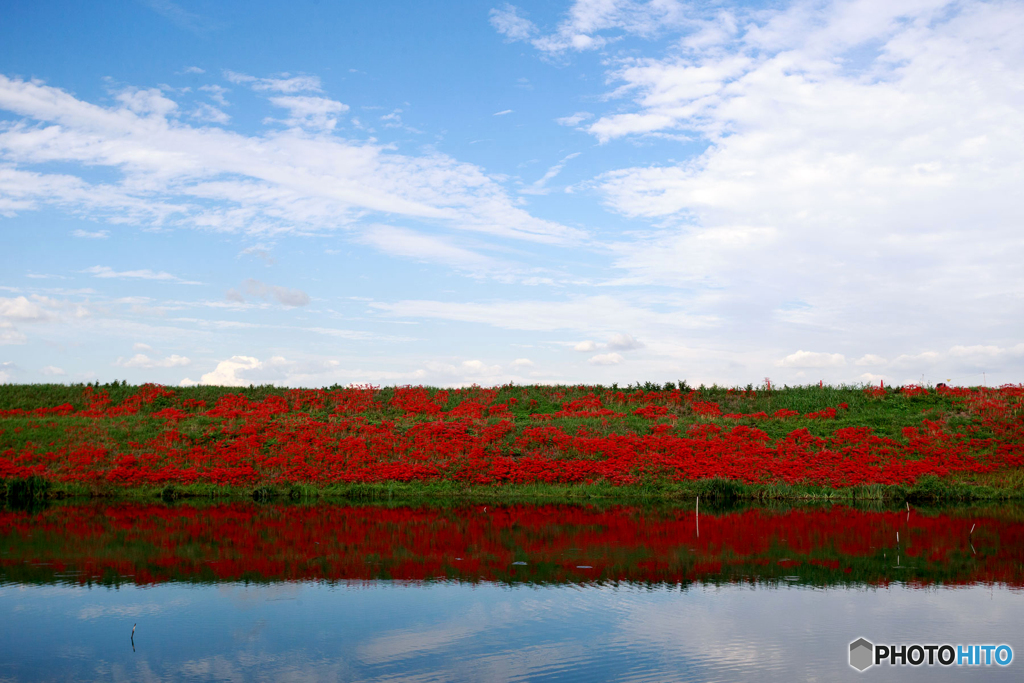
{"x": 285, "y": 83}
{"x": 210, "y": 113}
{"x": 911, "y": 361}
{"x": 574, "y": 119}
{"x": 835, "y": 145}
{"x": 686, "y": 255}
{"x": 261, "y": 290}
{"x": 465, "y": 373}
{"x": 141, "y": 360}
{"x": 601, "y": 314}
{"x": 216, "y": 93}
{"x": 502, "y": 112}
{"x": 811, "y": 359}
{"x": 260, "y": 251}
{"x": 623, "y": 342}
{"x": 508, "y": 23}
{"x": 871, "y": 359}
{"x": 139, "y": 346}
{"x": 193, "y": 70}
{"x": 21, "y": 309}
{"x": 585, "y": 346}
{"x": 479, "y": 367}
{"x": 26, "y": 310}
{"x": 422, "y": 247}
{"x": 144, "y": 274}
{"x": 181, "y": 17}
{"x": 539, "y": 187}
{"x": 52, "y": 371}
{"x": 989, "y": 352}
{"x": 97, "y": 235}
{"x": 7, "y": 372}
{"x": 606, "y": 359}
{"x": 9, "y": 335}
{"x": 215, "y": 179}
{"x": 240, "y": 371}
{"x": 235, "y": 296}
{"x": 586, "y": 19}
{"x": 523, "y": 363}
{"x": 319, "y": 113}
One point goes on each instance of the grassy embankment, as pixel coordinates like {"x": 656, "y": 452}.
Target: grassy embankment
{"x": 122, "y": 425}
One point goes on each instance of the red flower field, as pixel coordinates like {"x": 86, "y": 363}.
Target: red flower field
{"x": 155, "y": 435}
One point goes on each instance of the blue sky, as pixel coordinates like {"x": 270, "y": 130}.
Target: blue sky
{"x": 479, "y": 192}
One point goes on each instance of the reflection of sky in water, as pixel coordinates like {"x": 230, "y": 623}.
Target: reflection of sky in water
{"x": 394, "y": 631}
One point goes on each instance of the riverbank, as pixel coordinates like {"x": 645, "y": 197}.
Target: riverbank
{"x": 513, "y": 443}
{"x": 928, "y": 490}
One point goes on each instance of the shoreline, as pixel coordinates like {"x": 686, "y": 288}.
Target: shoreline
{"x": 927, "y": 490}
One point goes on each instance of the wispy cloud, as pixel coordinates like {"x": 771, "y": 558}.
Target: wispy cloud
{"x": 260, "y": 290}
{"x": 143, "y": 274}
{"x": 285, "y": 83}
{"x": 91, "y": 235}
{"x": 141, "y": 360}
{"x": 812, "y": 359}
{"x": 216, "y": 93}
{"x": 310, "y": 112}
{"x": 508, "y": 23}
{"x": 180, "y": 17}
{"x": 216, "y": 179}
{"x": 574, "y": 119}
{"x": 606, "y": 359}
{"x": 540, "y": 185}
{"x": 584, "y": 23}
{"x": 210, "y": 113}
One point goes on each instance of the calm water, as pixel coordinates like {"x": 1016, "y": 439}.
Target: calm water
{"x": 265, "y": 592}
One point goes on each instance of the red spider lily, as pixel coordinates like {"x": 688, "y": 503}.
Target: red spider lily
{"x": 467, "y": 435}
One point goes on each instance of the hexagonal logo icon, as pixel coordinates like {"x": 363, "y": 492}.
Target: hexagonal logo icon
{"x": 862, "y": 654}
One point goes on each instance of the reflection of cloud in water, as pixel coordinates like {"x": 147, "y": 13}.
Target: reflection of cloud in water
{"x": 247, "y": 597}
{"x": 137, "y": 609}
{"x": 408, "y": 642}
{"x": 388, "y": 631}
{"x": 294, "y": 666}
{"x": 732, "y": 630}
{"x": 251, "y": 634}
{"x": 139, "y": 672}
{"x": 431, "y": 636}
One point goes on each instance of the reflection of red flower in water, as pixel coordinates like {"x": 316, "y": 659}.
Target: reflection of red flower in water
{"x": 154, "y": 543}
